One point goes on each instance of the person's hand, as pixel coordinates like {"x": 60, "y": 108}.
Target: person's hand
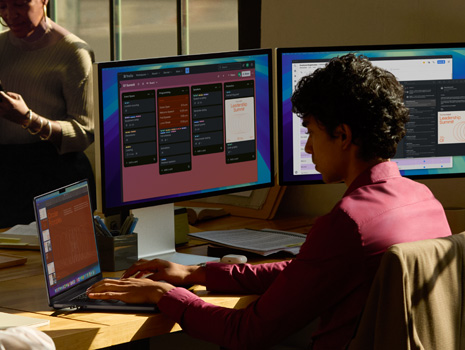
{"x": 13, "y": 107}
{"x": 162, "y": 270}
{"x": 129, "y": 290}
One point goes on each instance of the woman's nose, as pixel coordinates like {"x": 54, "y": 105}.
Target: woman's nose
{"x": 308, "y": 146}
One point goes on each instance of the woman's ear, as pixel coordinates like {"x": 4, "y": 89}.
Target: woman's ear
{"x": 345, "y": 133}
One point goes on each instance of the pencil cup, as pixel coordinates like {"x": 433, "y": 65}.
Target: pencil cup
{"x": 117, "y": 253}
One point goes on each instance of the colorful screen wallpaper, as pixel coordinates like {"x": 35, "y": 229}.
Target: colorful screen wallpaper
{"x": 285, "y": 57}
{"x": 110, "y": 137}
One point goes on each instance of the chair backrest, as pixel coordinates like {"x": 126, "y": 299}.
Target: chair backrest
{"x": 417, "y": 298}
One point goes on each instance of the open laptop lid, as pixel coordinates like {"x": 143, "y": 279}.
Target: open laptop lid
{"x": 67, "y": 241}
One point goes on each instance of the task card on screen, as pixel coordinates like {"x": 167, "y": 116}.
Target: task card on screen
{"x": 240, "y": 121}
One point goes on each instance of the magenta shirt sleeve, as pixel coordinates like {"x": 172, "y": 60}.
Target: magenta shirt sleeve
{"x": 242, "y": 278}
{"x": 294, "y": 295}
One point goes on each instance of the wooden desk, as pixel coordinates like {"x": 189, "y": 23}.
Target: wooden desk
{"x": 91, "y": 330}
{"x": 22, "y": 291}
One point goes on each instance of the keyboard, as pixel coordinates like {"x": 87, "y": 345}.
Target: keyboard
{"x": 84, "y": 298}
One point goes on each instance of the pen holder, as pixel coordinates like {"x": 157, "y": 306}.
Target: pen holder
{"x": 117, "y": 253}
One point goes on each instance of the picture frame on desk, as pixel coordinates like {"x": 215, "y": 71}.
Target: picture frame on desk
{"x": 259, "y": 204}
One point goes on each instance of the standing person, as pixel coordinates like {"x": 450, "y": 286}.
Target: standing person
{"x": 355, "y": 117}
{"x": 46, "y": 117}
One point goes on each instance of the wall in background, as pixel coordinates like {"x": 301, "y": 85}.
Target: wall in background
{"x": 360, "y": 22}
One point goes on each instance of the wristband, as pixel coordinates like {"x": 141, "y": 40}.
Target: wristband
{"x": 38, "y": 130}
{"x": 46, "y": 138}
{"x": 29, "y": 119}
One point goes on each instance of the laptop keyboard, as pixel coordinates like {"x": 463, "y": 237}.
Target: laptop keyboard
{"x": 84, "y": 298}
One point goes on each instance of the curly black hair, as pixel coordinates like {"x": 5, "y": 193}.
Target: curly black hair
{"x": 351, "y": 91}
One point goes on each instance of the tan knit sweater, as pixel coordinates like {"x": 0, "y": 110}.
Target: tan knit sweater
{"x": 54, "y": 78}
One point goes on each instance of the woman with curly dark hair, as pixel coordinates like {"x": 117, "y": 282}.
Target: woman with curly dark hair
{"x": 351, "y": 91}
{"x": 355, "y": 118}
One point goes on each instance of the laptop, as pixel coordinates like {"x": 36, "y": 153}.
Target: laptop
{"x": 69, "y": 250}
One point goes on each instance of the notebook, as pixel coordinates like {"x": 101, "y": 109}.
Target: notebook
{"x": 69, "y": 250}
{"x": 8, "y": 320}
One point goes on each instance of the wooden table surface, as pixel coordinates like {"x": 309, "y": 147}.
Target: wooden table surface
{"x": 22, "y": 291}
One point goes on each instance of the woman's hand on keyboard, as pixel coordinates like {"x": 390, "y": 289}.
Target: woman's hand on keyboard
{"x": 162, "y": 270}
{"x": 129, "y": 290}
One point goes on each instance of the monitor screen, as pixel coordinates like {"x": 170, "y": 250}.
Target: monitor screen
{"x": 433, "y": 76}
{"x": 177, "y": 128}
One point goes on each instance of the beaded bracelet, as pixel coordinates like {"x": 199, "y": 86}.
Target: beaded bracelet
{"x": 29, "y": 119}
{"x": 46, "y": 138}
{"x": 38, "y": 130}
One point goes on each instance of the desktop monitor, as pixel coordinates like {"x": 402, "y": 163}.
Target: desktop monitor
{"x": 433, "y": 76}
{"x": 177, "y": 128}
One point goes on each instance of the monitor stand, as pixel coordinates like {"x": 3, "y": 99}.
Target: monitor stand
{"x": 156, "y": 237}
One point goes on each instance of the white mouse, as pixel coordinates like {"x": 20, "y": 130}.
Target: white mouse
{"x": 234, "y": 259}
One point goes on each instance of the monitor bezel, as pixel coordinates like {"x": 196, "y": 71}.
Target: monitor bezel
{"x": 102, "y": 205}
{"x": 347, "y": 48}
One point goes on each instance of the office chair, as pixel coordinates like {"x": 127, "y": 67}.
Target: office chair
{"x": 417, "y": 298}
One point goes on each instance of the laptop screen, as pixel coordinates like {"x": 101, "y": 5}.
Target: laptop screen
{"x": 66, "y": 232}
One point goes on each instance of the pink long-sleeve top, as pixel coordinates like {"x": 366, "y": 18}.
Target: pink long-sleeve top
{"x": 330, "y": 277}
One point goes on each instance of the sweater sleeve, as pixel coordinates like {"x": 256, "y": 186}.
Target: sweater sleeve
{"x": 56, "y": 83}
{"x": 78, "y": 125}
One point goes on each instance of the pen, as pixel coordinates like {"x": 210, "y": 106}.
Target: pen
{"x": 294, "y": 245}
{"x": 133, "y": 225}
{"x": 16, "y": 244}
{"x": 127, "y": 224}
{"x": 9, "y": 240}
{"x": 102, "y": 225}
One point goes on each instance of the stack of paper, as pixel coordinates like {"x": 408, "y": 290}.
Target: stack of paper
{"x": 263, "y": 242}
